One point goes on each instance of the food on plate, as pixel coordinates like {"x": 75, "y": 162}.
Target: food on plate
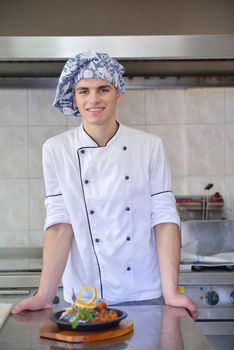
{"x": 81, "y": 312}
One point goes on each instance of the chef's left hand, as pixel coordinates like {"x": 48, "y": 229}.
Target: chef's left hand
{"x": 181, "y": 300}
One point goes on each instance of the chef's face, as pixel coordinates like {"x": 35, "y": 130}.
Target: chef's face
{"x": 96, "y": 100}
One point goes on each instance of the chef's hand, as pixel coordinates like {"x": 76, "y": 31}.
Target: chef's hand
{"x": 33, "y": 317}
{"x": 33, "y": 303}
{"x": 181, "y": 300}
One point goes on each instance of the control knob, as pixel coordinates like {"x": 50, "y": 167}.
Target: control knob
{"x": 232, "y": 297}
{"x": 212, "y": 298}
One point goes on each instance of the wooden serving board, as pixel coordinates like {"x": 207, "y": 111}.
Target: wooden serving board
{"x": 52, "y": 331}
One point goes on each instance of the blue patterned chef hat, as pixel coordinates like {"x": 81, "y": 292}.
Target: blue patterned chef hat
{"x": 86, "y": 65}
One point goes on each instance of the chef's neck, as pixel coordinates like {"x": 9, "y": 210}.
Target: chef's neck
{"x": 101, "y": 134}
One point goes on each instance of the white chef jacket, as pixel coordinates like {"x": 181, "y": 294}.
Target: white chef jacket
{"x": 113, "y": 196}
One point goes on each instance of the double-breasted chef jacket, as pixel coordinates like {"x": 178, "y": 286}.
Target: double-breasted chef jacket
{"x": 113, "y": 196}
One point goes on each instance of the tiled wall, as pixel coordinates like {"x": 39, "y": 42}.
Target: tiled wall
{"x": 196, "y": 125}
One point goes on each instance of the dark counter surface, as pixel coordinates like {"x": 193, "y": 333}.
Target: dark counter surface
{"x": 155, "y": 328}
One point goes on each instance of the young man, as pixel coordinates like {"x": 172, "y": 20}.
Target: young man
{"x": 111, "y": 216}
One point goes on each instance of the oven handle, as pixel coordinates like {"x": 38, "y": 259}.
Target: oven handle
{"x": 14, "y": 292}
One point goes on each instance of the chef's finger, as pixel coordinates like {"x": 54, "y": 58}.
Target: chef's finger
{"x": 31, "y": 304}
{"x": 192, "y": 308}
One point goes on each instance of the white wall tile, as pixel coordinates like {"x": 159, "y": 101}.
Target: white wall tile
{"x": 206, "y": 149}
{"x": 36, "y": 238}
{"x": 205, "y": 105}
{"x": 37, "y": 209}
{"x": 131, "y": 108}
{"x": 230, "y": 148}
{"x": 73, "y": 121}
{"x": 14, "y": 204}
{"x": 40, "y": 108}
{"x": 13, "y": 152}
{"x": 197, "y": 184}
{"x": 173, "y": 138}
{"x": 14, "y": 238}
{"x": 139, "y": 127}
{"x": 13, "y": 107}
{"x": 37, "y": 136}
{"x": 230, "y": 105}
{"x": 230, "y": 197}
{"x": 179, "y": 185}
{"x": 165, "y": 106}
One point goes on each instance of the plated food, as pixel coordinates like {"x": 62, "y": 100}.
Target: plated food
{"x": 88, "y": 315}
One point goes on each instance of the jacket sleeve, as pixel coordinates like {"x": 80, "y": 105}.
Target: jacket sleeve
{"x": 56, "y": 212}
{"x": 162, "y": 199}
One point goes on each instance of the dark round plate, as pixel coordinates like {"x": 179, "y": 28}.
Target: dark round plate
{"x": 89, "y": 326}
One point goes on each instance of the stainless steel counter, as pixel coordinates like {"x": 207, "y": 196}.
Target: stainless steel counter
{"x": 155, "y": 328}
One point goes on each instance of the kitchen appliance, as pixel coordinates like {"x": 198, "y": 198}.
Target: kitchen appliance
{"x": 142, "y": 55}
{"x": 207, "y": 276}
{"x": 20, "y": 270}
{"x": 206, "y": 207}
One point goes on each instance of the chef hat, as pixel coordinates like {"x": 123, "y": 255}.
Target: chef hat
{"x": 86, "y": 65}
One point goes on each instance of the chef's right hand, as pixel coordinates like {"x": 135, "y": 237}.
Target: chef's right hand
{"x": 32, "y": 304}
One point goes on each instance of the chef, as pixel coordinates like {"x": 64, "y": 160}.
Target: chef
{"x": 111, "y": 216}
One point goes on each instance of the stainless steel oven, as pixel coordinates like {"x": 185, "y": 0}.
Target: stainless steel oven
{"x": 207, "y": 276}
{"x": 20, "y": 270}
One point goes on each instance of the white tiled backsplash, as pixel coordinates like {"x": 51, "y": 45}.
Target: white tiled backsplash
{"x": 195, "y": 124}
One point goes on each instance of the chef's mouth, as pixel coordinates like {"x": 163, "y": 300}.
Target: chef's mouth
{"x": 95, "y": 109}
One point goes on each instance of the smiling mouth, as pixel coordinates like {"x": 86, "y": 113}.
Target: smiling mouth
{"x": 93, "y": 110}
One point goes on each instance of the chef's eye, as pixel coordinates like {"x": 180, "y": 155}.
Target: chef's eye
{"x": 104, "y": 90}
{"x": 82, "y": 92}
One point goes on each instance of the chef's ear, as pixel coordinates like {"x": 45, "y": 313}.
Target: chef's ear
{"x": 118, "y": 96}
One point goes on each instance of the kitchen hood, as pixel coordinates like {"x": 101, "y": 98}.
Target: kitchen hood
{"x": 175, "y": 55}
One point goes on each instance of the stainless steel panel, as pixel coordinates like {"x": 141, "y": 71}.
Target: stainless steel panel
{"x": 202, "y": 295}
{"x": 201, "y": 278}
{"x": 202, "y": 72}
{"x": 207, "y": 241}
{"x": 216, "y": 328}
{"x": 173, "y": 47}
{"x": 220, "y": 313}
{"x": 17, "y": 280}
{"x": 134, "y": 83}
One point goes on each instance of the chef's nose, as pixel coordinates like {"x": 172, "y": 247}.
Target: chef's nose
{"x": 94, "y": 97}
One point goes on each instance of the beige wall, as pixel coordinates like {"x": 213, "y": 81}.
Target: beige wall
{"x": 112, "y": 17}
{"x": 196, "y": 125}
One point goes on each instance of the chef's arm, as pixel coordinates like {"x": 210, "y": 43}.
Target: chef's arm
{"x": 57, "y": 245}
{"x": 168, "y": 249}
